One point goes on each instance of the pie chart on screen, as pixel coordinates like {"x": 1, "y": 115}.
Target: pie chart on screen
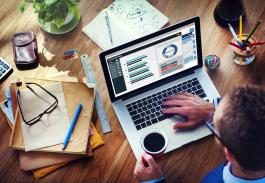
{"x": 170, "y": 51}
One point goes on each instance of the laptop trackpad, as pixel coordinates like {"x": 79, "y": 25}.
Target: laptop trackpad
{"x": 178, "y": 138}
{"x": 179, "y": 118}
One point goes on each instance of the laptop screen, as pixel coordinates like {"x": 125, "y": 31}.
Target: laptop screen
{"x": 152, "y": 60}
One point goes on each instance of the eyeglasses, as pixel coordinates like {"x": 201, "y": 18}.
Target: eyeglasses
{"x": 210, "y": 125}
{"x": 47, "y": 111}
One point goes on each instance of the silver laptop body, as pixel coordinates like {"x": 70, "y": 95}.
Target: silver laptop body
{"x": 140, "y": 72}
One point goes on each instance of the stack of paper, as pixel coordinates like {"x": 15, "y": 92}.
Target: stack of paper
{"x": 40, "y": 161}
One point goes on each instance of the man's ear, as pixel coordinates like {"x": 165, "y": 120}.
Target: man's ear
{"x": 229, "y": 156}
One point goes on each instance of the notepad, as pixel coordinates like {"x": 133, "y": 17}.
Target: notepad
{"x": 129, "y": 20}
{"x": 51, "y": 129}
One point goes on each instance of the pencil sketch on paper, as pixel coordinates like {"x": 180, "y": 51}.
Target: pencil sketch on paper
{"x": 138, "y": 14}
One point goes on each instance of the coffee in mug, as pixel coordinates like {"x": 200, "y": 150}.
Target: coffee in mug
{"x": 154, "y": 142}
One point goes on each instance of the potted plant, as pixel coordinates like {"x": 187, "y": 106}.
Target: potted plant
{"x": 55, "y": 16}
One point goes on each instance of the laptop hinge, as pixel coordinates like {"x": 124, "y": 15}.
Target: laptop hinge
{"x": 196, "y": 71}
{"x": 158, "y": 84}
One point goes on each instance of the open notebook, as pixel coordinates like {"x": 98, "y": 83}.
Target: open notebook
{"x": 128, "y": 20}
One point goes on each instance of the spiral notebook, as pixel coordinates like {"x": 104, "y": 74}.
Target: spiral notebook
{"x": 128, "y": 20}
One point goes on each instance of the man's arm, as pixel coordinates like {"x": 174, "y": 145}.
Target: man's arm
{"x": 147, "y": 170}
{"x": 195, "y": 108}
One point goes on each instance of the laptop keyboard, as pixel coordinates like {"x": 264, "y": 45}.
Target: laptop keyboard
{"x": 147, "y": 111}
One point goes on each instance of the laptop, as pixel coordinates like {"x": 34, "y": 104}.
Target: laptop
{"x": 142, "y": 73}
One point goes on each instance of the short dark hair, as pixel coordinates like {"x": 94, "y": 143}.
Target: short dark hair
{"x": 242, "y": 127}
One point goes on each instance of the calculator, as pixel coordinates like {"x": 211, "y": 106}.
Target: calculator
{"x": 5, "y": 70}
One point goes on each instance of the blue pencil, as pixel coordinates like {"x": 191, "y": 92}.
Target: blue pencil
{"x": 70, "y": 130}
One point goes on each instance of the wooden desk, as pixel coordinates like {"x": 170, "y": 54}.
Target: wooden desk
{"x": 115, "y": 161}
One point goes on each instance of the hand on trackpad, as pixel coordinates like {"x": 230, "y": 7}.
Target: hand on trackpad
{"x": 188, "y": 110}
{"x": 178, "y": 117}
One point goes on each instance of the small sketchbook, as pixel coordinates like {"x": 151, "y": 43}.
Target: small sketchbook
{"x": 128, "y": 20}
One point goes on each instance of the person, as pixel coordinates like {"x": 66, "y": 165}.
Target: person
{"x": 239, "y": 123}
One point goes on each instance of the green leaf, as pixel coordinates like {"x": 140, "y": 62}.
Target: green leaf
{"x": 49, "y": 2}
{"x": 38, "y": 7}
{"x": 60, "y": 12}
{"x": 38, "y": 1}
{"x": 73, "y": 2}
{"x": 59, "y": 22}
{"x": 41, "y": 15}
{"x": 48, "y": 17}
{"x": 22, "y": 7}
{"x": 51, "y": 10}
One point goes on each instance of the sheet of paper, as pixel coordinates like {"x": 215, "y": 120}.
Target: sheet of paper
{"x": 97, "y": 30}
{"x": 51, "y": 129}
{"x": 139, "y": 15}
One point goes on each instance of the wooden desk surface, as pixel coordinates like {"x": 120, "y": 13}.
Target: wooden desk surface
{"x": 115, "y": 161}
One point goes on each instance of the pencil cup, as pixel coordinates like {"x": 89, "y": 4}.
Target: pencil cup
{"x": 244, "y": 57}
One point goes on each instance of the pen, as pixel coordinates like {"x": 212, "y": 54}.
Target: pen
{"x": 70, "y": 130}
{"x": 235, "y": 36}
{"x": 253, "y": 30}
{"x": 237, "y": 46}
{"x": 108, "y": 26}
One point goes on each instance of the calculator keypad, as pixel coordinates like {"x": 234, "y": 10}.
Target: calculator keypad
{"x": 5, "y": 70}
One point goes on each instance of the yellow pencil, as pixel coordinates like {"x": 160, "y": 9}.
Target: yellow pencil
{"x": 240, "y": 28}
{"x": 240, "y": 34}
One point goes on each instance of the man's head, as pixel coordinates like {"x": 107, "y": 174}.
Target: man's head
{"x": 240, "y": 121}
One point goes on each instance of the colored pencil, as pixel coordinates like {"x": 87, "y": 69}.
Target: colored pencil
{"x": 240, "y": 35}
{"x": 240, "y": 28}
{"x": 237, "y": 46}
{"x": 256, "y": 43}
{"x": 253, "y": 30}
{"x": 235, "y": 36}
{"x": 70, "y": 130}
{"x": 241, "y": 60}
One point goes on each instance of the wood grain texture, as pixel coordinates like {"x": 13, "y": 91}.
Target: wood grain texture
{"x": 114, "y": 162}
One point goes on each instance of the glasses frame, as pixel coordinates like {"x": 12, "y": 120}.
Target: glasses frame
{"x": 209, "y": 123}
{"x": 47, "y": 111}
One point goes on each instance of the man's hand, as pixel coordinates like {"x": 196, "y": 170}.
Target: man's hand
{"x": 192, "y": 106}
{"x": 146, "y": 169}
